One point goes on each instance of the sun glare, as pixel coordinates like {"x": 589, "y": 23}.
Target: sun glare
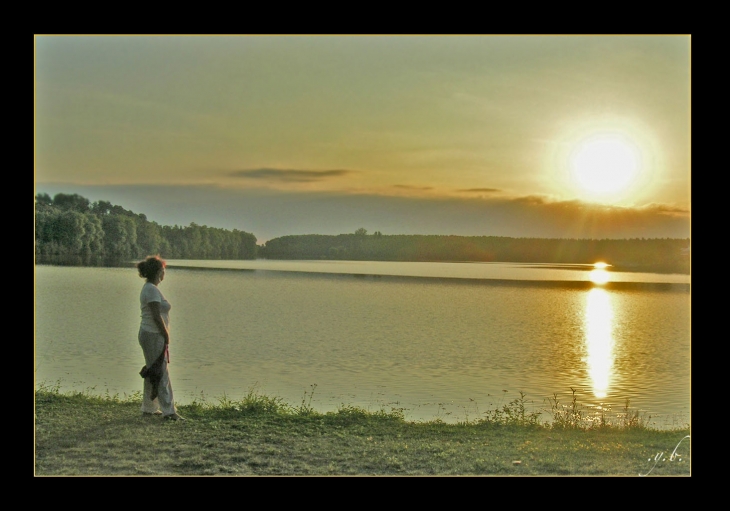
{"x": 607, "y": 160}
{"x": 605, "y": 164}
{"x": 599, "y": 276}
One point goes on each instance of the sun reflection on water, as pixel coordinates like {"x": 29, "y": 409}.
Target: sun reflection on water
{"x": 599, "y": 340}
{"x": 599, "y": 275}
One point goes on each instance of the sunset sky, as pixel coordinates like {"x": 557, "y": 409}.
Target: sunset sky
{"x": 539, "y": 136}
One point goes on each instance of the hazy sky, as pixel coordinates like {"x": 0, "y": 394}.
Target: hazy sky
{"x": 541, "y": 136}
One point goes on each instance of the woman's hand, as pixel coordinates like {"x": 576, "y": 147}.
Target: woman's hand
{"x": 157, "y": 316}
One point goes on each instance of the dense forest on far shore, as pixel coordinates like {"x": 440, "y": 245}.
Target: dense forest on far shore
{"x": 69, "y": 229}
{"x": 73, "y": 230}
{"x": 655, "y": 255}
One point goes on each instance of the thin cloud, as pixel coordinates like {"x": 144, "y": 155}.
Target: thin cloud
{"x": 578, "y": 205}
{"x": 541, "y": 200}
{"x": 409, "y": 187}
{"x": 289, "y": 175}
{"x": 666, "y": 209}
{"x": 480, "y": 190}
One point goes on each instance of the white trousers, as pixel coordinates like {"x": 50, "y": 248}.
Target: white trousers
{"x": 152, "y": 345}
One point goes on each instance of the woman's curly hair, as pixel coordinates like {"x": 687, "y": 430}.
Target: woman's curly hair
{"x": 150, "y": 267}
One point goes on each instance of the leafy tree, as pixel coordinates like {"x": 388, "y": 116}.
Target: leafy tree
{"x": 101, "y": 207}
{"x": 73, "y": 202}
{"x": 68, "y": 225}
{"x": 149, "y": 238}
{"x": 43, "y": 199}
{"x": 120, "y": 237}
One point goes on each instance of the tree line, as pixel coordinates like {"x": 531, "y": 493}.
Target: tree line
{"x": 70, "y": 226}
{"x": 658, "y": 254}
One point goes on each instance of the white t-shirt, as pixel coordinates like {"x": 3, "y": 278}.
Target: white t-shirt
{"x": 150, "y": 293}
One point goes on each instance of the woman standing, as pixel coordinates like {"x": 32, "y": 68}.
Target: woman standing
{"x": 154, "y": 338}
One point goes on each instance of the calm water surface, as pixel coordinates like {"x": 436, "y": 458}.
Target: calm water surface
{"x": 446, "y": 340}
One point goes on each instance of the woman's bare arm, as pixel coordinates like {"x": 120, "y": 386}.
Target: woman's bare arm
{"x": 157, "y": 316}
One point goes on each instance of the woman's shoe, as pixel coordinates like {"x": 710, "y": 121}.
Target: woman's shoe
{"x": 174, "y": 417}
{"x": 158, "y": 412}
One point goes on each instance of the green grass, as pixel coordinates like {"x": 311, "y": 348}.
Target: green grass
{"x": 78, "y": 433}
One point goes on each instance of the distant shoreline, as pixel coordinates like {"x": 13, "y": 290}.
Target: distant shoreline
{"x": 72, "y": 260}
{"x": 570, "y": 284}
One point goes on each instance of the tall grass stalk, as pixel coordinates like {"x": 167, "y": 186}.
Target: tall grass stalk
{"x": 80, "y": 433}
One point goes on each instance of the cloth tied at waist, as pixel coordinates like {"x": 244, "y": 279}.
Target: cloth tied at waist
{"x": 154, "y": 373}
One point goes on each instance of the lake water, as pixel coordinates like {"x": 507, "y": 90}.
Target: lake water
{"x": 437, "y": 340}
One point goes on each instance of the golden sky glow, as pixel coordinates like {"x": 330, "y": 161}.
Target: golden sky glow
{"x": 598, "y": 119}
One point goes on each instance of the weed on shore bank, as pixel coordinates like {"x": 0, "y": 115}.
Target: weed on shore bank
{"x": 82, "y": 434}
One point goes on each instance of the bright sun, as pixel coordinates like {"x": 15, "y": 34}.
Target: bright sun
{"x": 605, "y": 166}
{"x": 604, "y": 160}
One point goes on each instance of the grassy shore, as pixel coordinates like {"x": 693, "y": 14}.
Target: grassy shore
{"x": 78, "y": 434}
